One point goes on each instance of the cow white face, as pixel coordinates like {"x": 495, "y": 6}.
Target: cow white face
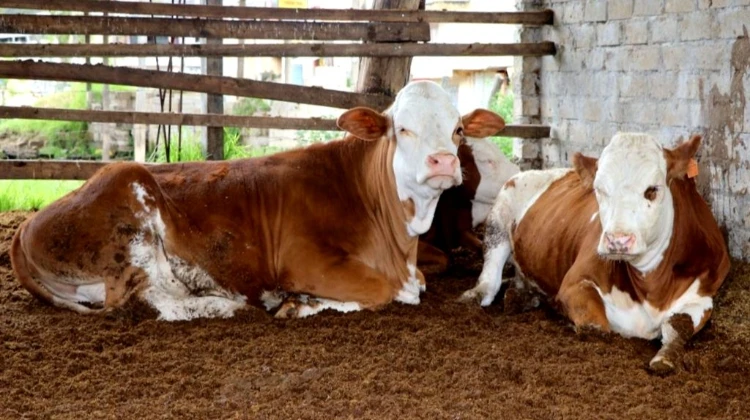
{"x": 494, "y": 170}
{"x": 631, "y": 183}
{"x": 427, "y": 130}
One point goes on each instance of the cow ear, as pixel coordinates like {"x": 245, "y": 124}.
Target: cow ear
{"x": 678, "y": 159}
{"x": 363, "y": 123}
{"x": 482, "y": 123}
{"x": 586, "y": 168}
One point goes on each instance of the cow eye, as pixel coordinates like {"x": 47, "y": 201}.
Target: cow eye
{"x": 650, "y": 193}
{"x": 460, "y": 131}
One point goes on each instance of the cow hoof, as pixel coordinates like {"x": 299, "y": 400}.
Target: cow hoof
{"x": 661, "y": 366}
{"x": 471, "y": 297}
{"x": 287, "y": 310}
{"x": 590, "y": 332}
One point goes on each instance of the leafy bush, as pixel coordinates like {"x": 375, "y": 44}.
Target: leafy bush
{"x": 503, "y": 105}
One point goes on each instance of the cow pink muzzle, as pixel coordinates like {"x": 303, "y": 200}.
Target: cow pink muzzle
{"x": 442, "y": 164}
{"x": 619, "y": 243}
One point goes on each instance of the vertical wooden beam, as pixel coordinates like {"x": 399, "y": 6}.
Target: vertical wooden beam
{"x": 106, "y": 146}
{"x": 241, "y": 60}
{"x": 215, "y": 103}
{"x": 386, "y": 75}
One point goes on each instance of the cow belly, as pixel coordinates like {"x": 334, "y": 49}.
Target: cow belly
{"x": 640, "y": 319}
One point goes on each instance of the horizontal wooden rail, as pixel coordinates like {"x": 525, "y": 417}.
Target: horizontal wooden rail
{"x": 48, "y": 169}
{"x": 525, "y": 131}
{"x": 32, "y": 70}
{"x": 542, "y": 17}
{"x": 215, "y": 120}
{"x": 276, "y": 50}
{"x": 166, "y": 118}
{"x": 203, "y": 28}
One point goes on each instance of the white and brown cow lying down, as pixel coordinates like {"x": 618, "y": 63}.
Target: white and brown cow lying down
{"x": 623, "y": 244}
{"x": 462, "y": 208}
{"x": 335, "y": 222}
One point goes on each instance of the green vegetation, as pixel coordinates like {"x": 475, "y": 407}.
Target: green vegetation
{"x": 191, "y": 150}
{"x": 503, "y": 105}
{"x": 62, "y": 138}
{"x": 33, "y": 195}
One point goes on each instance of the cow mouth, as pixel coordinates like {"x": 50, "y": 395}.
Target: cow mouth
{"x": 442, "y": 182}
{"x": 617, "y": 256}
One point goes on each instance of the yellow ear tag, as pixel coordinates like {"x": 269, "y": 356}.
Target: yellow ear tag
{"x": 692, "y": 169}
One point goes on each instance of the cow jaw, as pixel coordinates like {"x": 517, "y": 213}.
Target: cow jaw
{"x": 635, "y": 204}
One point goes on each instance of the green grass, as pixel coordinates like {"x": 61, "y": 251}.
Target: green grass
{"x": 503, "y": 105}
{"x": 32, "y": 195}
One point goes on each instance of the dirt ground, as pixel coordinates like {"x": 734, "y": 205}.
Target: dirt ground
{"x": 440, "y": 359}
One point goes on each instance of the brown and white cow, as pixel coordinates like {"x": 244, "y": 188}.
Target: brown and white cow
{"x": 623, "y": 244}
{"x": 462, "y": 208}
{"x": 336, "y": 221}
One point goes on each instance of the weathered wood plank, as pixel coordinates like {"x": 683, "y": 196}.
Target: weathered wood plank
{"x": 528, "y": 131}
{"x": 525, "y": 131}
{"x": 32, "y": 70}
{"x": 277, "y": 50}
{"x": 205, "y": 28}
{"x": 542, "y": 17}
{"x": 205, "y": 120}
{"x": 48, "y": 169}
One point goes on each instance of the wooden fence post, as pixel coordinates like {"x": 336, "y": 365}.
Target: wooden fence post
{"x": 386, "y": 75}
{"x": 215, "y": 103}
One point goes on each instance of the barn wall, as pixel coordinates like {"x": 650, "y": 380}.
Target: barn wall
{"x": 667, "y": 67}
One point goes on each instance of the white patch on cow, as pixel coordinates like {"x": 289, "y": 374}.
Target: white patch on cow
{"x": 494, "y": 169}
{"x": 509, "y": 208}
{"x": 141, "y": 195}
{"x": 71, "y": 290}
{"x": 634, "y": 319}
{"x": 631, "y": 164}
{"x": 423, "y": 215}
{"x": 491, "y": 279}
{"x": 317, "y": 305}
{"x": 409, "y": 293}
{"x": 424, "y": 120}
{"x": 91, "y": 293}
{"x": 271, "y": 299}
{"x": 413, "y": 275}
{"x": 593, "y": 217}
{"x": 177, "y": 290}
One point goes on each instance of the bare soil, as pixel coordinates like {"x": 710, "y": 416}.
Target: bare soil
{"x": 440, "y": 359}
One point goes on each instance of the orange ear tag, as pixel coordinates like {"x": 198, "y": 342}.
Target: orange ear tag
{"x": 692, "y": 169}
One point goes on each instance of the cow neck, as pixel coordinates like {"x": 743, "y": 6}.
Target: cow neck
{"x": 390, "y": 214}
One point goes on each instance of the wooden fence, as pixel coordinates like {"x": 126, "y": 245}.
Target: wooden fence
{"x": 388, "y": 39}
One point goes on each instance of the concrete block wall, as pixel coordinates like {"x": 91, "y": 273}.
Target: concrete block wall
{"x": 667, "y": 67}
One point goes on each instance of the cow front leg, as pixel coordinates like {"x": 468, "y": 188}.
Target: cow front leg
{"x": 345, "y": 286}
{"x": 431, "y": 259}
{"x": 582, "y": 304}
{"x": 497, "y": 250}
{"x": 675, "y": 333}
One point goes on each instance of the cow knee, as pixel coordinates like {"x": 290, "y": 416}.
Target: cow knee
{"x": 584, "y": 307}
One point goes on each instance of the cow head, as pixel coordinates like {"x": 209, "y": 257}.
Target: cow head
{"x": 426, "y": 129}
{"x": 631, "y": 182}
{"x": 493, "y": 169}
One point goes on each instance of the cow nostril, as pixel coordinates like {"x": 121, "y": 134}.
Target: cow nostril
{"x": 432, "y": 161}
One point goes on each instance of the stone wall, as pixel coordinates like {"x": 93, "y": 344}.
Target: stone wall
{"x": 667, "y": 67}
